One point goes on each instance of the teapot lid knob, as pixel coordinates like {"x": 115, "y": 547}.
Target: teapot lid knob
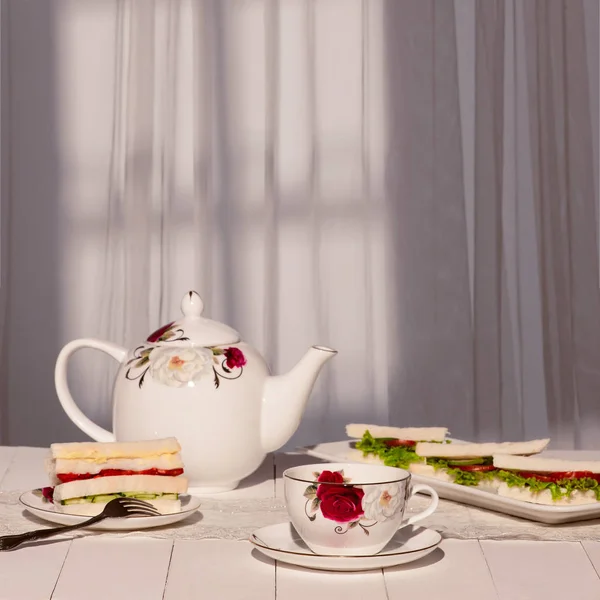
{"x": 192, "y": 305}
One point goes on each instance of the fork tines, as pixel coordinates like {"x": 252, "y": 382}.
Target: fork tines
{"x": 138, "y": 506}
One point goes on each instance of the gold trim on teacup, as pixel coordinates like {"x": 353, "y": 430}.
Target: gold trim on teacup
{"x": 350, "y": 484}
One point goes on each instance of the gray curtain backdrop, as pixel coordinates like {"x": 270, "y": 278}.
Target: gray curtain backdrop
{"x": 413, "y": 182}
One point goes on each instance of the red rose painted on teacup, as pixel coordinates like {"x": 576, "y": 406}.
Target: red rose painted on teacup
{"x": 349, "y": 509}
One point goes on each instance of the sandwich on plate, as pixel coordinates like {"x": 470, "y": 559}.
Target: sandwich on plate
{"x": 87, "y": 475}
{"x": 394, "y": 446}
{"x": 469, "y": 463}
{"x": 552, "y": 481}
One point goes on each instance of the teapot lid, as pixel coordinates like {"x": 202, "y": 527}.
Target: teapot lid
{"x": 193, "y": 328}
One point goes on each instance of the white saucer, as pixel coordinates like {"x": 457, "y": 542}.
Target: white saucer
{"x": 36, "y": 504}
{"x": 281, "y": 542}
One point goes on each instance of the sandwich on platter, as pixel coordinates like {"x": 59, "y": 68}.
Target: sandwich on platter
{"x": 551, "y": 481}
{"x": 87, "y": 475}
{"x": 469, "y": 463}
{"x": 394, "y": 446}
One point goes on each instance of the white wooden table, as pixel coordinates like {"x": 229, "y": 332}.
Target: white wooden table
{"x": 151, "y": 569}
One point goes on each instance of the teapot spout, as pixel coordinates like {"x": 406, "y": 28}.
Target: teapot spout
{"x": 285, "y": 397}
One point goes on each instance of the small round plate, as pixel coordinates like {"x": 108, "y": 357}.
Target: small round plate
{"x": 281, "y": 542}
{"x": 35, "y": 504}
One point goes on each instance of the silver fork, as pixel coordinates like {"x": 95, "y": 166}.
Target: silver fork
{"x": 116, "y": 508}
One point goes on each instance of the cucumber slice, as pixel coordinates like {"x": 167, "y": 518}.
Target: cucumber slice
{"x": 140, "y": 495}
{"x": 169, "y": 496}
{"x": 104, "y": 498}
{"x": 75, "y": 501}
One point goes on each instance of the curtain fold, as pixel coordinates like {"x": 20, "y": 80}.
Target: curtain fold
{"x": 4, "y": 219}
{"x": 489, "y": 293}
{"x": 431, "y": 351}
{"x": 412, "y": 182}
{"x": 566, "y": 208}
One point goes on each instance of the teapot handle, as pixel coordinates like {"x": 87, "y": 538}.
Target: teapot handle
{"x": 62, "y": 388}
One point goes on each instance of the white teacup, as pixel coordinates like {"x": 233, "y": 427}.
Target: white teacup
{"x": 350, "y": 509}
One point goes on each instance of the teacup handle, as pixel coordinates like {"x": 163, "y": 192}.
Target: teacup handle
{"x": 433, "y": 504}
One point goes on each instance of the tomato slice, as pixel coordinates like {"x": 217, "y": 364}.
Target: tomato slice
{"x": 480, "y": 468}
{"x": 48, "y": 493}
{"x": 66, "y": 477}
{"x": 393, "y": 443}
{"x": 539, "y": 476}
{"x": 577, "y": 475}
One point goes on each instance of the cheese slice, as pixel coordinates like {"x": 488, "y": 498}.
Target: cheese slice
{"x": 428, "y": 450}
{"x": 428, "y": 471}
{"x": 544, "y": 465}
{"x": 152, "y": 484}
{"x": 100, "y": 451}
{"x": 433, "y": 434}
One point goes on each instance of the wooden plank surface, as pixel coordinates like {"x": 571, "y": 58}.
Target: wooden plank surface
{"x": 527, "y": 570}
{"x": 503, "y": 570}
{"x": 260, "y": 484}
{"x": 230, "y": 570}
{"x": 592, "y": 549}
{"x": 31, "y": 572}
{"x": 455, "y": 571}
{"x": 295, "y": 583}
{"x": 114, "y": 568}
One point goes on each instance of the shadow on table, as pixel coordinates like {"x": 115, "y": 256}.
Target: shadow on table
{"x": 262, "y": 474}
{"x": 272, "y": 468}
{"x": 426, "y": 561}
{"x": 431, "y": 559}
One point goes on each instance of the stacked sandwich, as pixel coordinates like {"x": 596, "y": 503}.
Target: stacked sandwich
{"x": 550, "y": 481}
{"x": 87, "y": 475}
{"x": 508, "y": 469}
{"x": 469, "y": 464}
{"x": 395, "y": 446}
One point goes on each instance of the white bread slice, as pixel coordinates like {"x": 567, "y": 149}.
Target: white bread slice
{"x": 103, "y": 450}
{"x": 80, "y": 466}
{"x": 426, "y": 449}
{"x": 91, "y": 509}
{"x": 433, "y": 434}
{"x": 153, "y": 484}
{"x": 422, "y": 470}
{"x": 544, "y": 465}
{"x": 524, "y": 494}
{"x": 428, "y": 471}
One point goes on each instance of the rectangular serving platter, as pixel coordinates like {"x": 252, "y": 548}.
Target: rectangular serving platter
{"x": 553, "y": 515}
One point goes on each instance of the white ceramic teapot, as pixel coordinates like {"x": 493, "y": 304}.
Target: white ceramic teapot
{"x": 195, "y": 380}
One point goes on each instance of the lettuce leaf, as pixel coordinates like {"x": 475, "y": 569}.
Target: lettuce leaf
{"x": 559, "y": 489}
{"x": 392, "y": 456}
{"x": 459, "y": 476}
